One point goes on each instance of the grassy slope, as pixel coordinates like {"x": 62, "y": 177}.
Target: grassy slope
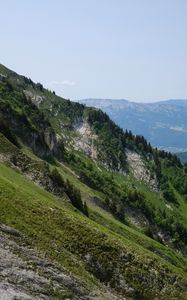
{"x": 102, "y": 217}
{"x": 62, "y": 114}
{"x": 68, "y": 235}
{"x": 124, "y": 183}
{"x": 106, "y": 219}
{"x": 30, "y": 209}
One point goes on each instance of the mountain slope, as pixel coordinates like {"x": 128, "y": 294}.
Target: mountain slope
{"x": 100, "y": 203}
{"x": 69, "y": 234}
{"x": 162, "y": 123}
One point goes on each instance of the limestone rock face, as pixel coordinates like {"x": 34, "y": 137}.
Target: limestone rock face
{"x": 86, "y": 139}
{"x": 140, "y": 171}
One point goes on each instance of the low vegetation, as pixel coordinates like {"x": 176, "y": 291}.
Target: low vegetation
{"x": 92, "y": 216}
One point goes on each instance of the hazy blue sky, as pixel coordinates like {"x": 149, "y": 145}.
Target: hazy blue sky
{"x": 133, "y": 49}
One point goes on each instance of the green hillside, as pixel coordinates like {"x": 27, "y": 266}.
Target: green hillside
{"x": 99, "y": 201}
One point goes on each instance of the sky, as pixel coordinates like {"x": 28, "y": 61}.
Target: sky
{"x": 130, "y": 49}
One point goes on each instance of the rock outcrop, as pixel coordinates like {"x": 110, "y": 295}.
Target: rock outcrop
{"x": 85, "y": 141}
{"x": 140, "y": 171}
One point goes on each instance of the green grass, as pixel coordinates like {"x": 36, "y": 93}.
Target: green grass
{"x": 101, "y": 248}
{"x": 181, "y": 208}
{"x": 29, "y": 208}
{"x": 65, "y": 235}
{"x": 107, "y": 219}
{"x": 97, "y": 214}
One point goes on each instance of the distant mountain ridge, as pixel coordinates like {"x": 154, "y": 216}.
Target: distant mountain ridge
{"x": 163, "y": 123}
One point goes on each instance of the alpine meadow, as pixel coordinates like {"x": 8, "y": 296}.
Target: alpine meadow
{"x": 88, "y": 211}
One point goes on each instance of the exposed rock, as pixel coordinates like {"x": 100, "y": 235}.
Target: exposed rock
{"x": 86, "y": 139}
{"x": 26, "y": 274}
{"x": 36, "y": 171}
{"x": 36, "y": 99}
{"x": 140, "y": 171}
{"x": 136, "y": 217}
{"x": 9, "y": 230}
